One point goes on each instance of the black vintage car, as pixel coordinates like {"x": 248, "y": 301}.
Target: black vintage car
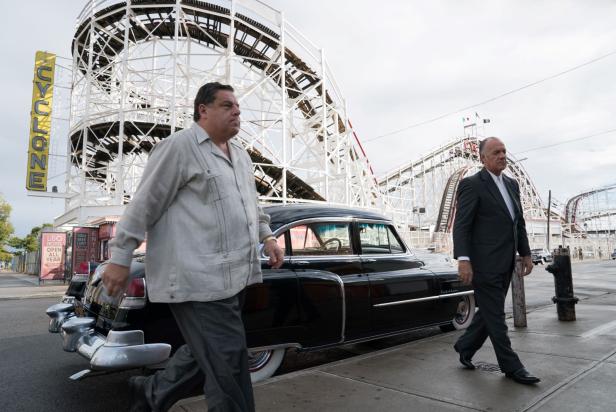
{"x": 347, "y": 277}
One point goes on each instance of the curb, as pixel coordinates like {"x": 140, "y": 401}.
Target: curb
{"x": 33, "y": 296}
{"x": 32, "y": 292}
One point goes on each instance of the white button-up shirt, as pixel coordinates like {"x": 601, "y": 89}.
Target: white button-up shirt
{"x": 199, "y": 209}
{"x": 504, "y": 193}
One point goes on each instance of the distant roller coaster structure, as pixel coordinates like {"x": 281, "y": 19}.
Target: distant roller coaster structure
{"x": 427, "y": 187}
{"x": 590, "y": 220}
{"x": 596, "y": 206}
{"x": 137, "y": 65}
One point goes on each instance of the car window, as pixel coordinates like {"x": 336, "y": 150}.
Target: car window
{"x": 378, "y": 238}
{"x": 318, "y": 239}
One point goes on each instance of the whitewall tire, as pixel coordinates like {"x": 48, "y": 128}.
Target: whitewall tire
{"x": 464, "y": 315}
{"x": 264, "y": 364}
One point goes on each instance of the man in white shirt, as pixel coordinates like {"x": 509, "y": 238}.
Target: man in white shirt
{"x": 198, "y": 204}
{"x": 489, "y": 229}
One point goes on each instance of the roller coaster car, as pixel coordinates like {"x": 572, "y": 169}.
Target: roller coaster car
{"x": 347, "y": 277}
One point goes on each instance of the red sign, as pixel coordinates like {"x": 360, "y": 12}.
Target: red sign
{"x": 53, "y": 247}
{"x": 85, "y": 248}
{"x": 106, "y": 231}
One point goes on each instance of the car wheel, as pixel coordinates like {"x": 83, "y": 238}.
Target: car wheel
{"x": 264, "y": 364}
{"x": 464, "y": 315}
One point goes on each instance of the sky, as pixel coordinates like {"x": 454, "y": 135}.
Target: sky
{"x": 399, "y": 63}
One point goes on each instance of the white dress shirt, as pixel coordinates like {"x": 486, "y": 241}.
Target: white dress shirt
{"x": 503, "y": 190}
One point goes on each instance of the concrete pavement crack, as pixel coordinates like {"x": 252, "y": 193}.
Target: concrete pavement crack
{"x": 539, "y": 401}
{"x": 418, "y": 394}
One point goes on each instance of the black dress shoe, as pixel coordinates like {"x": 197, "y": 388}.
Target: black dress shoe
{"x": 465, "y": 358}
{"x": 138, "y": 401}
{"x": 523, "y": 376}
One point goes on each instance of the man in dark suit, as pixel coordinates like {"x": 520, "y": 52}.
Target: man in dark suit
{"x": 488, "y": 230}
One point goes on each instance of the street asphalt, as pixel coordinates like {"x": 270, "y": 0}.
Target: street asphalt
{"x": 576, "y": 361}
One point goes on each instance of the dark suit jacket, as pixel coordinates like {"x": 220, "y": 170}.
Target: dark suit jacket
{"x": 483, "y": 229}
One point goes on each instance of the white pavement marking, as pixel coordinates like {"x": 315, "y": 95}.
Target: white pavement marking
{"x": 599, "y": 329}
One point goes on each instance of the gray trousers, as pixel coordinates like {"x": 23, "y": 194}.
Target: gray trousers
{"x": 489, "y": 321}
{"x": 215, "y": 352}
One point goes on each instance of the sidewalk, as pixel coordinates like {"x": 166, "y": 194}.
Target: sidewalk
{"x": 22, "y": 286}
{"x": 575, "y": 360}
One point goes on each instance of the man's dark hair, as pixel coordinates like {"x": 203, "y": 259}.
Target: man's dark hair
{"x": 207, "y": 95}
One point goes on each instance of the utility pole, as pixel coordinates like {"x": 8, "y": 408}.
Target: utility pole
{"x": 549, "y": 214}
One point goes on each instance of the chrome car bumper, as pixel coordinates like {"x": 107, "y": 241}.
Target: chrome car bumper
{"x": 118, "y": 350}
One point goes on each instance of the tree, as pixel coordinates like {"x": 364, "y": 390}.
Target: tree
{"x": 29, "y": 243}
{"x": 6, "y": 229}
{"x": 17, "y": 243}
{"x": 32, "y": 240}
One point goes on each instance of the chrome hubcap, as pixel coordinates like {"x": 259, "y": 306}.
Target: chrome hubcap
{"x": 463, "y": 311}
{"x": 257, "y": 360}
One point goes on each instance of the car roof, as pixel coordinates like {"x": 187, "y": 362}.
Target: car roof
{"x": 281, "y": 214}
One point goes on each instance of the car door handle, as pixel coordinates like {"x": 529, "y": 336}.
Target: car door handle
{"x": 369, "y": 260}
{"x": 302, "y": 262}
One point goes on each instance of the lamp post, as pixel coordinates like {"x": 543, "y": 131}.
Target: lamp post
{"x": 586, "y": 232}
{"x": 420, "y": 211}
{"x": 549, "y": 216}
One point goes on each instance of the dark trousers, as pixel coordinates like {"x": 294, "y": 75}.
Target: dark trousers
{"x": 215, "y": 347}
{"x": 489, "y": 321}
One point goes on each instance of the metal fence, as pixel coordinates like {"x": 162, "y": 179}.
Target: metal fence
{"x": 29, "y": 263}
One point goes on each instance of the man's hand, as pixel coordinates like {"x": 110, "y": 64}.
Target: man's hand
{"x": 527, "y": 265}
{"x": 276, "y": 256}
{"x": 115, "y": 278}
{"x": 465, "y": 271}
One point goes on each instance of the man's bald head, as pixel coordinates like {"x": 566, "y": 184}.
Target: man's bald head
{"x": 482, "y": 144}
{"x": 493, "y": 154}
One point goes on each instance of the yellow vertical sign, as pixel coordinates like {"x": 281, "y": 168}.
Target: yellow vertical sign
{"x": 40, "y": 121}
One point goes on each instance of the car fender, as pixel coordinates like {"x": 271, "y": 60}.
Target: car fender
{"x": 300, "y": 308}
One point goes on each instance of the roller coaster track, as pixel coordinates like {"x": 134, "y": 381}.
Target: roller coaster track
{"x": 573, "y": 204}
{"x": 100, "y": 39}
{"x": 134, "y": 142}
{"x": 208, "y": 21}
{"x": 447, "y": 208}
{"x": 432, "y": 182}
